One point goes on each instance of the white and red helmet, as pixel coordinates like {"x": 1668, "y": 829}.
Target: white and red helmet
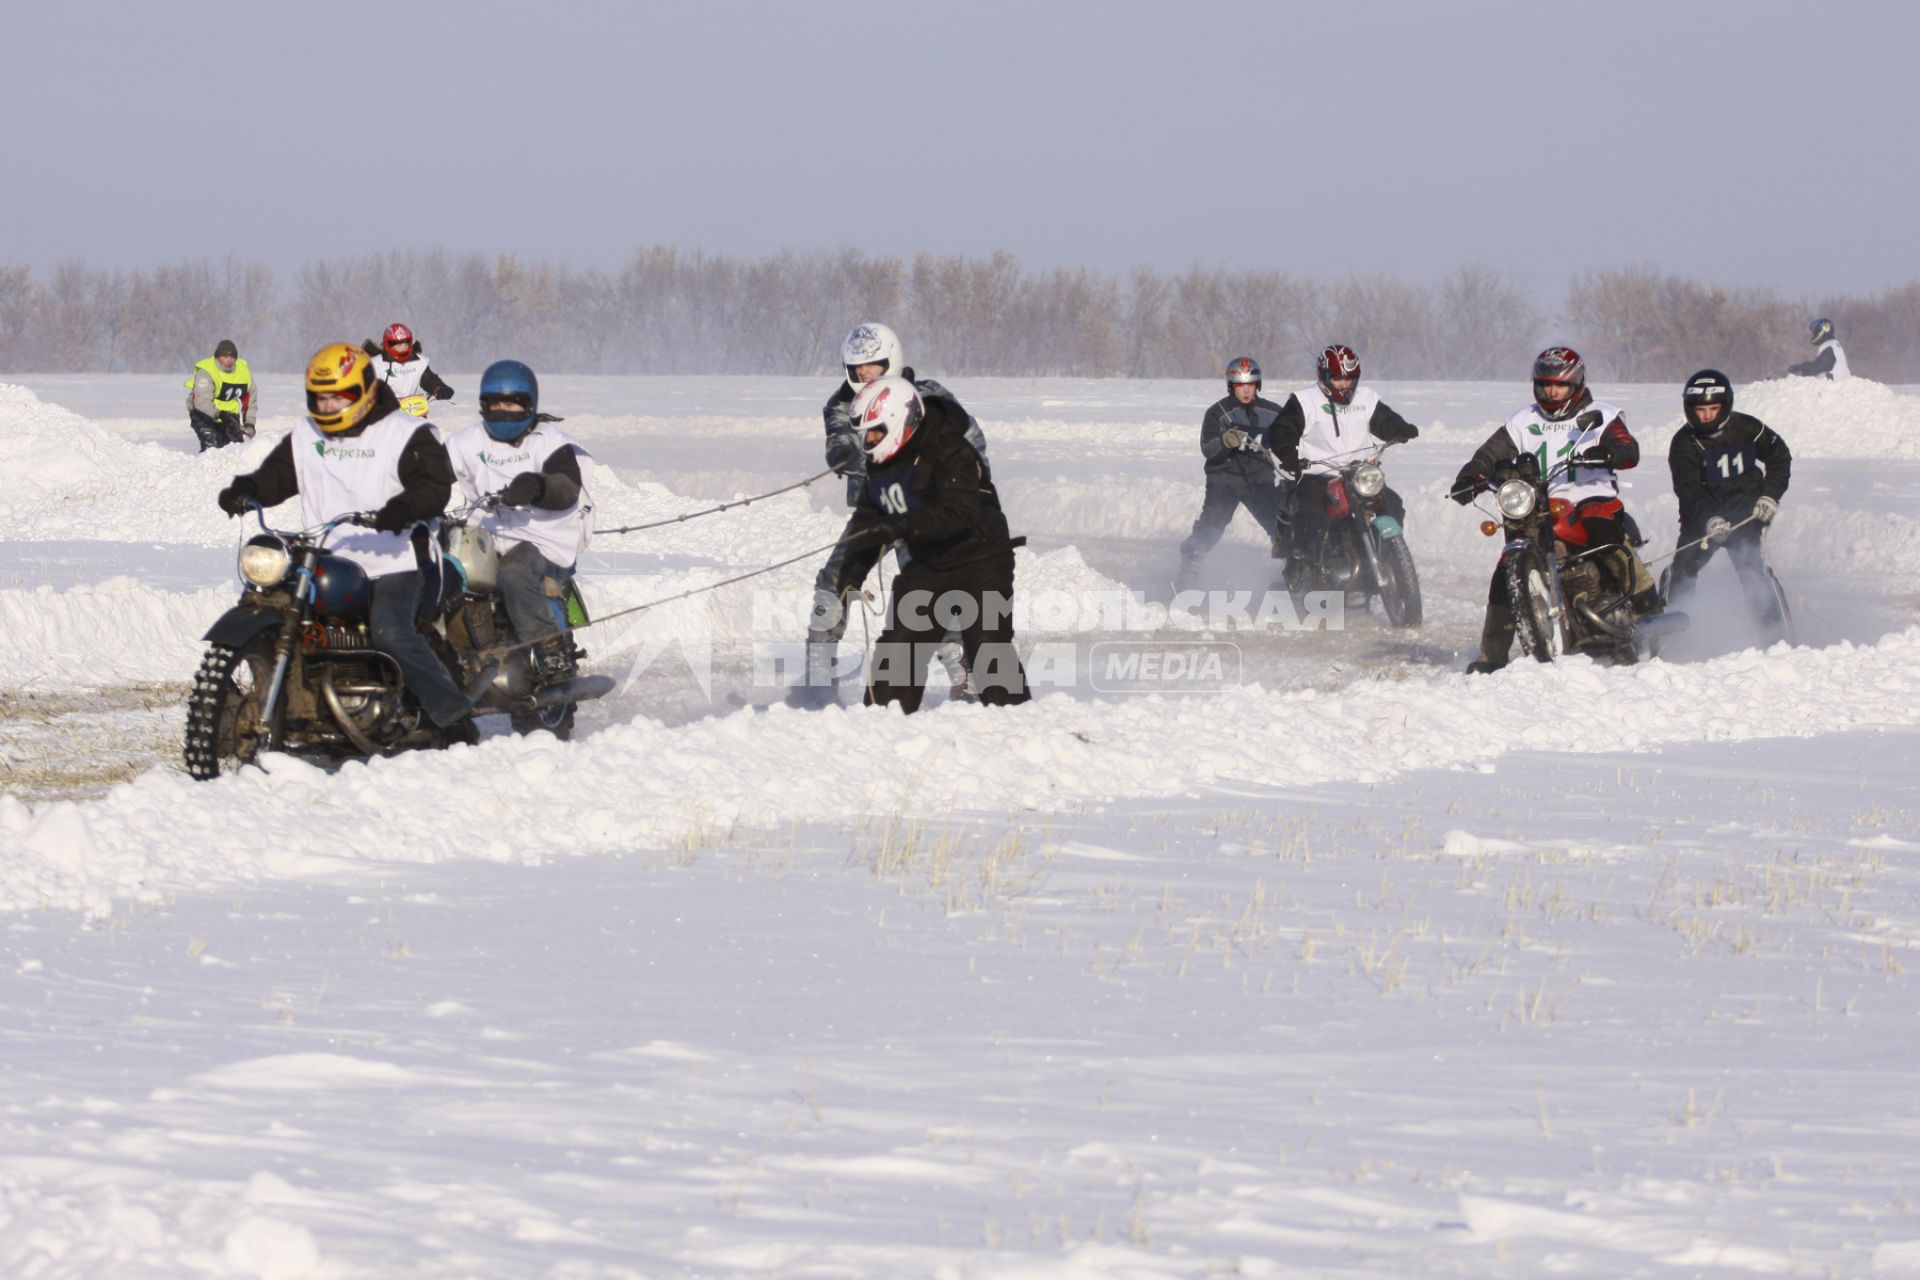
{"x": 1242, "y": 370}
{"x": 871, "y": 343}
{"x": 1559, "y": 367}
{"x": 1338, "y": 361}
{"x": 886, "y": 413}
{"x": 397, "y": 342}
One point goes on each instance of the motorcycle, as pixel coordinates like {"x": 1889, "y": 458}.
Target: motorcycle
{"x": 1365, "y": 550}
{"x": 1567, "y": 600}
{"x": 291, "y": 667}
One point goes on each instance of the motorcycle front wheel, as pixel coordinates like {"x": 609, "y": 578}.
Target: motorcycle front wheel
{"x": 1541, "y": 629}
{"x": 224, "y": 731}
{"x": 1399, "y": 582}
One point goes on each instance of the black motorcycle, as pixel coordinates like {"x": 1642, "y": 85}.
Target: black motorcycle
{"x": 291, "y": 668}
{"x": 1565, "y": 599}
{"x": 1366, "y": 550}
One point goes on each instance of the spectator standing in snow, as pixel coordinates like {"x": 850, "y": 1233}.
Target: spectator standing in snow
{"x": 401, "y": 362}
{"x": 221, "y": 401}
{"x": 1728, "y": 469}
{"x": 1239, "y": 470}
{"x": 1829, "y": 358}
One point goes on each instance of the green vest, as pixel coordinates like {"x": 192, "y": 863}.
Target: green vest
{"x": 229, "y": 389}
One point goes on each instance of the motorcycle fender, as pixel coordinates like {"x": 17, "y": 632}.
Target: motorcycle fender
{"x": 241, "y": 624}
{"x": 1386, "y": 526}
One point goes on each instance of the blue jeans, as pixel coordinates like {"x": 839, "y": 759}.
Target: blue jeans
{"x": 530, "y": 609}
{"x": 393, "y": 624}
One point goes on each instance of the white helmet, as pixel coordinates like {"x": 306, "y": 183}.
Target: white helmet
{"x": 885, "y": 413}
{"x": 871, "y": 343}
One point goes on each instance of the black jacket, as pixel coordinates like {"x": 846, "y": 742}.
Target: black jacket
{"x": 953, "y": 514}
{"x": 426, "y": 473}
{"x": 1256, "y": 419}
{"x": 1722, "y": 473}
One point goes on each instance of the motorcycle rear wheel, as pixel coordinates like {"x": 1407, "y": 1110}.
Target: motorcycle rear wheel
{"x": 226, "y": 695}
{"x": 556, "y": 720}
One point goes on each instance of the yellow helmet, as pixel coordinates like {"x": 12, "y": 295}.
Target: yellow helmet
{"x": 340, "y": 369}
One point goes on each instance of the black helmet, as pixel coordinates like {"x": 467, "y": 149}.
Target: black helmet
{"x": 1709, "y": 386}
{"x": 225, "y": 347}
{"x": 1820, "y": 330}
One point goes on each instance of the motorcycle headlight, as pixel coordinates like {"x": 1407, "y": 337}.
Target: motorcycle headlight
{"x": 264, "y": 563}
{"x": 1369, "y": 480}
{"x": 1517, "y": 499}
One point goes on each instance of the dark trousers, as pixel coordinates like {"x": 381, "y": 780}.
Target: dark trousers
{"x": 975, "y": 600}
{"x": 393, "y": 624}
{"x": 1227, "y": 492}
{"x": 216, "y": 433}
{"x": 1749, "y": 561}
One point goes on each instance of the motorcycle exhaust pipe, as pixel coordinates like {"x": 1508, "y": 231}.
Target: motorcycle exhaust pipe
{"x": 1600, "y": 624}
{"x": 1660, "y": 626}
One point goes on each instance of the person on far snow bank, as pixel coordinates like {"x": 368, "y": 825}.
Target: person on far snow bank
{"x": 1829, "y": 359}
{"x": 1239, "y": 470}
{"x": 1728, "y": 469}
{"x": 401, "y": 362}
{"x": 221, "y": 400}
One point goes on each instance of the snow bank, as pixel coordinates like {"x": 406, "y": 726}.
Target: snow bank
{"x": 1821, "y": 419}
{"x": 646, "y": 785}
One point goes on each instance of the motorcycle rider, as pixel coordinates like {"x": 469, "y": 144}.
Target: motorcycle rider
{"x": 869, "y": 351}
{"x": 1728, "y": 469}
{"x": 1829, "y": 358}
{"x": 927, "y": 487}
{"x": 1578, "y": 443}
{"x": 1239, "y": 470}
{"x": 401, "y": 362}
{"x": 1320, "y": 428}
{"x": 221, "y": 400}
{"x": 544, "y": 516}
{"x": 354, "y": 451}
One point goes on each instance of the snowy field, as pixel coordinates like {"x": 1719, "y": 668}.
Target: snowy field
{"x": 1356, "y": 967}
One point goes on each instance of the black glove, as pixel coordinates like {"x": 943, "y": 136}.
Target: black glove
{"x": 370, "y": 347}
{"x": 524, "y": 490}
{"x": 1598, "y": 456}
{"x": 1412, "y": 433}
{"x": 891, "y": 531}
{"x": 237, "y": 498}
{"x": 1466, "y": 493}
{"x": 393, "y": 518}
{"x": 843, "y": 456}
{"x": 444, "y": 393}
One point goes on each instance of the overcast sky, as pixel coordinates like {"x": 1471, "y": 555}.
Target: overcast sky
{"x": 1752, "y": 143}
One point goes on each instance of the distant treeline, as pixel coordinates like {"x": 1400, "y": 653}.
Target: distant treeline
{"x": 670, "y": 311}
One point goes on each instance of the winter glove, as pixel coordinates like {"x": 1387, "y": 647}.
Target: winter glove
{"x": 1718, "y": 529}
{"x": 1412, "y": 433}
{"x": 444, "y": 393}
{"x": 524, "y": 490}
{"x": 237, "y": 497}
{"x": 392, "y": 518}
{"x": 1234, "y": 438}
{"x": 843, "y": 456}
{"x": 1765, "y": 509}
{"x": 1598, "y": 456}
{"x": 371, "y": 347}
{"x": 892, "y": 531}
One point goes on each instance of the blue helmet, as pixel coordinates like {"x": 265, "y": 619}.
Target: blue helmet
{"x": 1820, "y": 330}
{"x": 511, "y": 381}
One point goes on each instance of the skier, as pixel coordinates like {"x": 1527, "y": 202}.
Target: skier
{"x": 401, "y": 362}
{"x": 927, "y": 487}
{"x": 1829, "y": 358}
{"x": 355, "y": 451}
{"x": 870, "y": 351}
{"x": 1239, "y": 470}
{"x": 221, "y": 400}
{"x": 541, "y": 474}
{"x": 1728, "y": 469}
{"x": 1322, "y": 427}
{"x": 1579, "y": 443}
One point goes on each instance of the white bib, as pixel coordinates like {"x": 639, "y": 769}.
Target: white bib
{"x": 1840, "y": 371}
{"x": 1552, "y": 443}
{"x": 402, "y": 375}
{"x": 339, "y": 474}
{"x": 483, "y": 465}
{"x": 1335, "y": 434}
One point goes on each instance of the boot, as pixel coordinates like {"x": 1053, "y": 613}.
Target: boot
{"x": 1496, "y": 641}
{"x": 816, "y": 689}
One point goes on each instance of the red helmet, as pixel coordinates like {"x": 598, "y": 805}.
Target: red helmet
{"x": 1559, "y": 367}
{"x": 1338, "y": 361}
{"x": 397, "y": 342}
